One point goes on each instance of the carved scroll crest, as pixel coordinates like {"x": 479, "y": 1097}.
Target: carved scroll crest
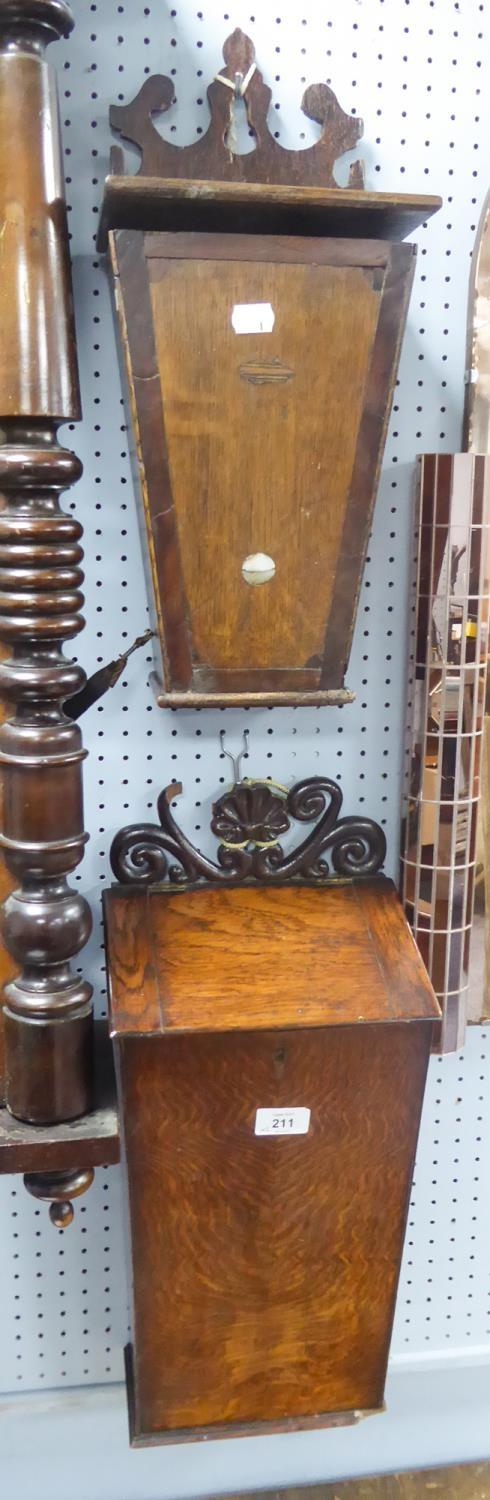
{"x": 249, "y": 818}
{"x": 212, "y": 156}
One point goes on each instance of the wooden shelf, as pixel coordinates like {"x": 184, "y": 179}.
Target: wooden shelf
{"x": 92, "y": 1141}
{"x": 147, "y": 203}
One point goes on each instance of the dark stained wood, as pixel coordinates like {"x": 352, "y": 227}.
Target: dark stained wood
{"x": 146, "y": 408}
{"x": 47, "y": 1063}
{"x": 249, "y": 819}
{"x": 264, "y": 1270}
{"x": 106, "y": 677}
{"x": 254, "y": 957}
{"x": 7, "y": 963}
{"x": 47, "y": 1014}
{"x": 74, "y": 1145}
{"x": 150, "y": 203}
{"x": 38, "y": 376}
{"x": 92, "y": 1141}
{"x": 212, "y": 156}
{"x": 231, "y": 465}
{"x": 257, "y": 443}
{"x": 364, "y": 479}
{"x": 57, "y": 1189}
{"x": 281, "y": 248}
{"x": 460, "y": 1482}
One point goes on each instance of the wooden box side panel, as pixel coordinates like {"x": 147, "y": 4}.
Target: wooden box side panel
{"x": 265, "y": 1270}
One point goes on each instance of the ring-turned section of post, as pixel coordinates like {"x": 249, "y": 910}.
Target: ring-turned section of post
{"x": 48, "y": 1015}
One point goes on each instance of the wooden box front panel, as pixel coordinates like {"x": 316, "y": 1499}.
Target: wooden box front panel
{"x": 266, "y": 441}
{"x": 261, "y": 442}
{"x": 265, "y": 1269}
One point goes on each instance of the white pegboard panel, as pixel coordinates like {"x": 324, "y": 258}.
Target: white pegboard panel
{"x": 414, "y": 70}
{"x": 444, "y": 1293}
{"x": 64, "y": 1296}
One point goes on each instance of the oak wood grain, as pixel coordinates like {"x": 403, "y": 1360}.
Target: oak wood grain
{"x": 232, "y": 463}
{"x": 255, "y": 1301}
{"x": 213, "y": 960}
{"x": 264, "y": 1270}
{"x": 221, "y": 1430}
{"x": 267, "y": 466}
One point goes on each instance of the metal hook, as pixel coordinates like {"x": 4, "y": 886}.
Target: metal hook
{"x": 235, "y": 759}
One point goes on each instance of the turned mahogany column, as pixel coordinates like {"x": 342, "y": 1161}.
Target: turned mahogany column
{"x": 47, "y": 1015}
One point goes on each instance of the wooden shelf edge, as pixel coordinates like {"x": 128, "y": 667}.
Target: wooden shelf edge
{"x": 316, "y": 698}
{"x": 91, "y": 1141}
{"x": 180, "y": 204}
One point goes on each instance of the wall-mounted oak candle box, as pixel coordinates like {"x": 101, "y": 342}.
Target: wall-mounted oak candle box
{"x": 261, "y": 310}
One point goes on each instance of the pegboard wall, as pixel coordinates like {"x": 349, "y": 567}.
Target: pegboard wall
{"x": 414, "y": 70}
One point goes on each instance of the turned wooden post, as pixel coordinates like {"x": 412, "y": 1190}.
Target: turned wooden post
{"x": 47, "y": 1016}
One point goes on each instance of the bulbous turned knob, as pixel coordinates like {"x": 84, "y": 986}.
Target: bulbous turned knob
{"x": 47, "y": 925}
{"x": 57, "y": 1189}
{"x": 61, "y": 1215}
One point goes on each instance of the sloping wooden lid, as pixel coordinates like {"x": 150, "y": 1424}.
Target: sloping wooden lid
{"x": 252, "y": 958}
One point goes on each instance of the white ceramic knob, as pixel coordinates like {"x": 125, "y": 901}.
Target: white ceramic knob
{"x": 258, "y": 568}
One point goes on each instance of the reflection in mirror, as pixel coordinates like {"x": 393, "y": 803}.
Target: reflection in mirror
{"x": 442, "y": 860}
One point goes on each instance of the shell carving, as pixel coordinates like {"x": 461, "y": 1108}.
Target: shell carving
{"x": 250, "y": 815}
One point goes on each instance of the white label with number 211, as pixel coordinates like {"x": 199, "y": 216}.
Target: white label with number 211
{"x": 281, "y": 1122}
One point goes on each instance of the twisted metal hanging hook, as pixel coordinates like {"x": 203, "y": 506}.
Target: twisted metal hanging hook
{"x": 236, "y": 760}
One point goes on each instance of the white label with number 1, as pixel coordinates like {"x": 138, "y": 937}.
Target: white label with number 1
{"x": 281, "y": 1122}
{"x": 253, "y": 317}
